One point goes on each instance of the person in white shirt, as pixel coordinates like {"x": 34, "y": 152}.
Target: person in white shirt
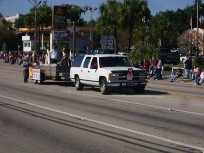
{"x": 54, "y": 55}
{"x": 194, "y": 71}
{"x": 158, "y": 72}
{"x": 201, "y": 77}
{"x": 71, "y": 56}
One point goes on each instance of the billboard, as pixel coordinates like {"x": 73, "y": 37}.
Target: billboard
{"x": 59, "y": 17}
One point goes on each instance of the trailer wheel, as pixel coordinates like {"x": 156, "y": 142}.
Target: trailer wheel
{"x": 35, "y": 81}
{"x": 40, "y": 82}
{"x": 78, "y": 84}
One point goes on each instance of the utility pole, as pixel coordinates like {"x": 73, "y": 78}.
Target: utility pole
{"x": 91, "y": 31}
{"x": 197, "y": 48}
{"x": 73, "y": 30}
{"x": 88, "y": 8}
{"x": 35, "y": 4}
{"x": 74, "y": 38}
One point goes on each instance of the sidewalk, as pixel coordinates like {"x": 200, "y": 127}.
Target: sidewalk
{"x": 167, "y": 77}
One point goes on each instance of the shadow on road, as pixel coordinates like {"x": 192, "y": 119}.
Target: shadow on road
{"x": 59, "y": 83}
{"x": 127, "y": 91}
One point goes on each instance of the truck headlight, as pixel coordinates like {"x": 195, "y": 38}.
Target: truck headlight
{"x": 113, "y": 76}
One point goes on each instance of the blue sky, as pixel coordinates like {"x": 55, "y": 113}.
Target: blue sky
{"x": 12, "y": 7}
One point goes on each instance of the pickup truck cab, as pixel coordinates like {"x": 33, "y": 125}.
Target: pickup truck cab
{"x": 107, "y": 71}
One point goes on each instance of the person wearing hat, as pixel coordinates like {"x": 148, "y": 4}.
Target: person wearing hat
{"x": 26, "y": 65}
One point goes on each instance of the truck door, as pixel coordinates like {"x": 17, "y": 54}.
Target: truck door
{"x": 93, "y": 72}
{"x": 85, "y": 70}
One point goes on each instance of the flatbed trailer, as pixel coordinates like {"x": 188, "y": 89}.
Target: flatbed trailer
{"x": 41, "y": 73}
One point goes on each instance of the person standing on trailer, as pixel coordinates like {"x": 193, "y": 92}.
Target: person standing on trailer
{"x": 54, "y": 54}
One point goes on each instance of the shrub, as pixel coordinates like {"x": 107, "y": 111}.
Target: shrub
{"x": 199, "y": 62}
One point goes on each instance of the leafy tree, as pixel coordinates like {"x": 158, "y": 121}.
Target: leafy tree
{"x": 74, "y": 13}
{"x": 19, "y": 23}
{"x": 142, "y": 52}
{"x": 168, "y": 25}
{"x": 108, "y": 23}
{"x": 188, "y": 41}
{"x": 43, "y": 15}
{"x": 134, "y": 13}
{"x": 8, "y": 39}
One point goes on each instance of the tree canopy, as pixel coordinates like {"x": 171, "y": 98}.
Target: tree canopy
{"x": 130, "y": 22}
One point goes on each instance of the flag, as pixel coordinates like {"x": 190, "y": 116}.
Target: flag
{"x": 200, "y": 19}
{"x": 191, "y": 22}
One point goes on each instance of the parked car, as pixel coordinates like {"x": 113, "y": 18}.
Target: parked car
{"x": 169, "y": 57}
{"x": 123, "y": 53}
{"x": 184, "y": 56}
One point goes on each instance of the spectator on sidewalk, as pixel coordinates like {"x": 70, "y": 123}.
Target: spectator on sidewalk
{"x": 158, "y": 73}
{"x": 194, "y": 71}
{"x": 187, "y": 67}
{"x": 177, "y": 75}
{"x": 199, "y": 77}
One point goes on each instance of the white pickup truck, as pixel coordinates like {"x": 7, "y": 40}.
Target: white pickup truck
{"x": 107, "y": 71}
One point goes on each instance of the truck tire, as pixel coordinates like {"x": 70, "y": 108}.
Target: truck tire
{"x": 78, "y": 84}
{"x": 103, "y": 86}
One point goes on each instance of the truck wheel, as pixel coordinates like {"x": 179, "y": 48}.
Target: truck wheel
{"x": 78, "y": 84}
{"x": 103, "y": 86}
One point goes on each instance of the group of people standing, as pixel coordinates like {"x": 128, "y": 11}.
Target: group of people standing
{"x": 55, "y": 56}
{"x": 193, "y": 72}
{"x": 154, "y": 68}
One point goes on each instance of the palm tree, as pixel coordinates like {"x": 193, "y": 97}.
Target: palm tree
{"x": 134, "y": 14}
{"x": 108, "y": 22}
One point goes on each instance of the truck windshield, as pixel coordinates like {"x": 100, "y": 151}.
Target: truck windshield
{"x": 115, "y": 62}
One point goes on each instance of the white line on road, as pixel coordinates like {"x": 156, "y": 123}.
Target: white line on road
{"x": 106, "y": 124}
{"x": 135, "y": 103}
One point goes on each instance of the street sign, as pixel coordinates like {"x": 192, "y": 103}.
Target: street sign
{"x": 107, "y": 42}
{"x": 59, "y": 35}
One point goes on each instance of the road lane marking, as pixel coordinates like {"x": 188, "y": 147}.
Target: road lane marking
{"x": 107, "y": 124}
{"x": 135, "y": 103}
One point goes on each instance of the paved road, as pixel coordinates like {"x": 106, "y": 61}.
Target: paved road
{"x": 54, "y": 117}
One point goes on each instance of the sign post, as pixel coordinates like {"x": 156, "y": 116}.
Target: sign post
{"x": 107, "y": 42}
{"x": 59, "y": 20}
